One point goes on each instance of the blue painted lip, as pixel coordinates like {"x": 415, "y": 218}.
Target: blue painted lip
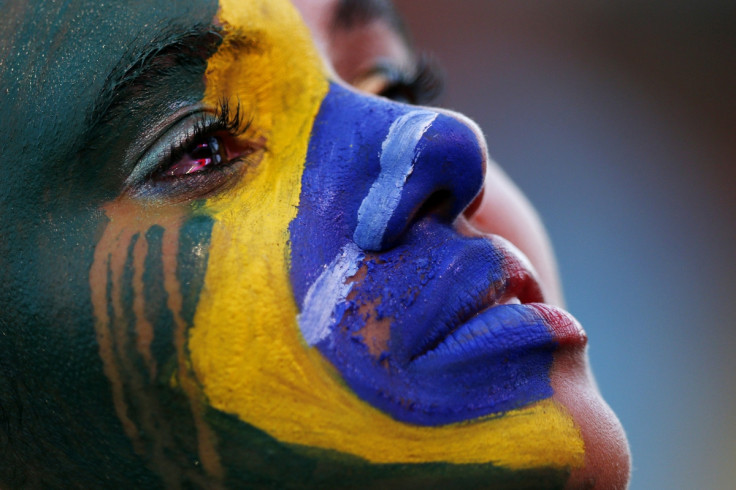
{"x": 490, "y": 336}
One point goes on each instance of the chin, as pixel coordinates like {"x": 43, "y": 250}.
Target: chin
{"x": 607, "y": 458}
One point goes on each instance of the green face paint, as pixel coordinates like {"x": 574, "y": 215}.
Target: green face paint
{"x": 76, "y": 103}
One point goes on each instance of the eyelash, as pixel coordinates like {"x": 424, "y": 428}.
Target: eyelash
{"x": 226, "y": 122}
{"x": 421, "y": 87}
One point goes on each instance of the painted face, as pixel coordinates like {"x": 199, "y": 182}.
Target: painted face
{"x": 223, "y": 266}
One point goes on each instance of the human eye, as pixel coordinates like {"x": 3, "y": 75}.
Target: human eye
{"x": 421, "y": 84}
{"x": 198, "y": 154}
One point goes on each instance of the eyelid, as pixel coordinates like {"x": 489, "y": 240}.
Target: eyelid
{"x": 176, "y": 135}
{"x": 423, "y": 81}
{"x": 383, "y": 74}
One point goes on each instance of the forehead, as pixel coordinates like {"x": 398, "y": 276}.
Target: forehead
{"x": 74, "y": 44}
{"x": 49, "y": 44}
{"x": 57, "y": 58}
{"x": 58, "y": 55}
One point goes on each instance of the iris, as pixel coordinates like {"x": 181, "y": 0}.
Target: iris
{"x": 200, "y": 155}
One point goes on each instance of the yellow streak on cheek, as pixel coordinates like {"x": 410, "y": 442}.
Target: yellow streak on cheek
{"x": 245, "y": 345}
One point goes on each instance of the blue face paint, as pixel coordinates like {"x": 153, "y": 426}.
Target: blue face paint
{"x": 389, "y": 291}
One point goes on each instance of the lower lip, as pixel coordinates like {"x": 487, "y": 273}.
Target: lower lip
{"x": 503, "y": 331}
{"x": 565, "y": 329}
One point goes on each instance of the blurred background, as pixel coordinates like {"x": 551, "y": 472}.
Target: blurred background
{"x": 618, "y": 120}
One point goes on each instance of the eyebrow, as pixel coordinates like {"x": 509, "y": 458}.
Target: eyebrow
{"x": 355, "y": 13}
{"x": 174, "y": 47}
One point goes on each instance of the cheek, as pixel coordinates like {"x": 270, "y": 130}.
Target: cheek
{"x": 244, "y": 329}
{"x": 503, "y": 210}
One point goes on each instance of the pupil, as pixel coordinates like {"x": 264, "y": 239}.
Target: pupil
{"x": 201, "y": 152}
{"x": 205, "y": 154}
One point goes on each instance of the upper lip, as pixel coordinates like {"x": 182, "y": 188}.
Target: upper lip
{"x": 517, "y": 282}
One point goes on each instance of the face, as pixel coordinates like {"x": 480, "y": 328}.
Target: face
{"x": 231, "y": 259}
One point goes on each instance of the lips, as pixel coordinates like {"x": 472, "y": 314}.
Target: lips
{"x": 501, "y": 324}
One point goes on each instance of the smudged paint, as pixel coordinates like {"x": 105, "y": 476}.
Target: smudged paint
{"x": 163, "y": 422}
{"x": 325, "y": 302}
{"x": 194, "y": 243}
{"x": 398, "y": 154}
{"x": 157, "y": 312}
{"x": 189, "y": 272}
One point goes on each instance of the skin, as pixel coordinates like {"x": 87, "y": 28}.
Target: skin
{"x": 170, "y": 330}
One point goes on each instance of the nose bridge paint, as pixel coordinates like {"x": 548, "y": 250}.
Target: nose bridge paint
{"x": 398, "y": 154}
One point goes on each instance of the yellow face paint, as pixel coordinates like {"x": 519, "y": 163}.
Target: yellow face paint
{"x": 246, "y": 348}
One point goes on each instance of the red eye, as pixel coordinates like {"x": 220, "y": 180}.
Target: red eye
{"x": 207, "y": 153}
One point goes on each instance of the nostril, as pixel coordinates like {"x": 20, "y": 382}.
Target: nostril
{"x": 440, "y": 203}
{"x": 473, "y": 206}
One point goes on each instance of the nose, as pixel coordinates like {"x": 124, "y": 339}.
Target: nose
{"x": 373, "y": 169}
{"x": 429, "y": 162}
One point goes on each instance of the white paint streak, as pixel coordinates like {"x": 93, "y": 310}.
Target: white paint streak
{"x": 318, "y": 315}
{"x": 398, "y": 154}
